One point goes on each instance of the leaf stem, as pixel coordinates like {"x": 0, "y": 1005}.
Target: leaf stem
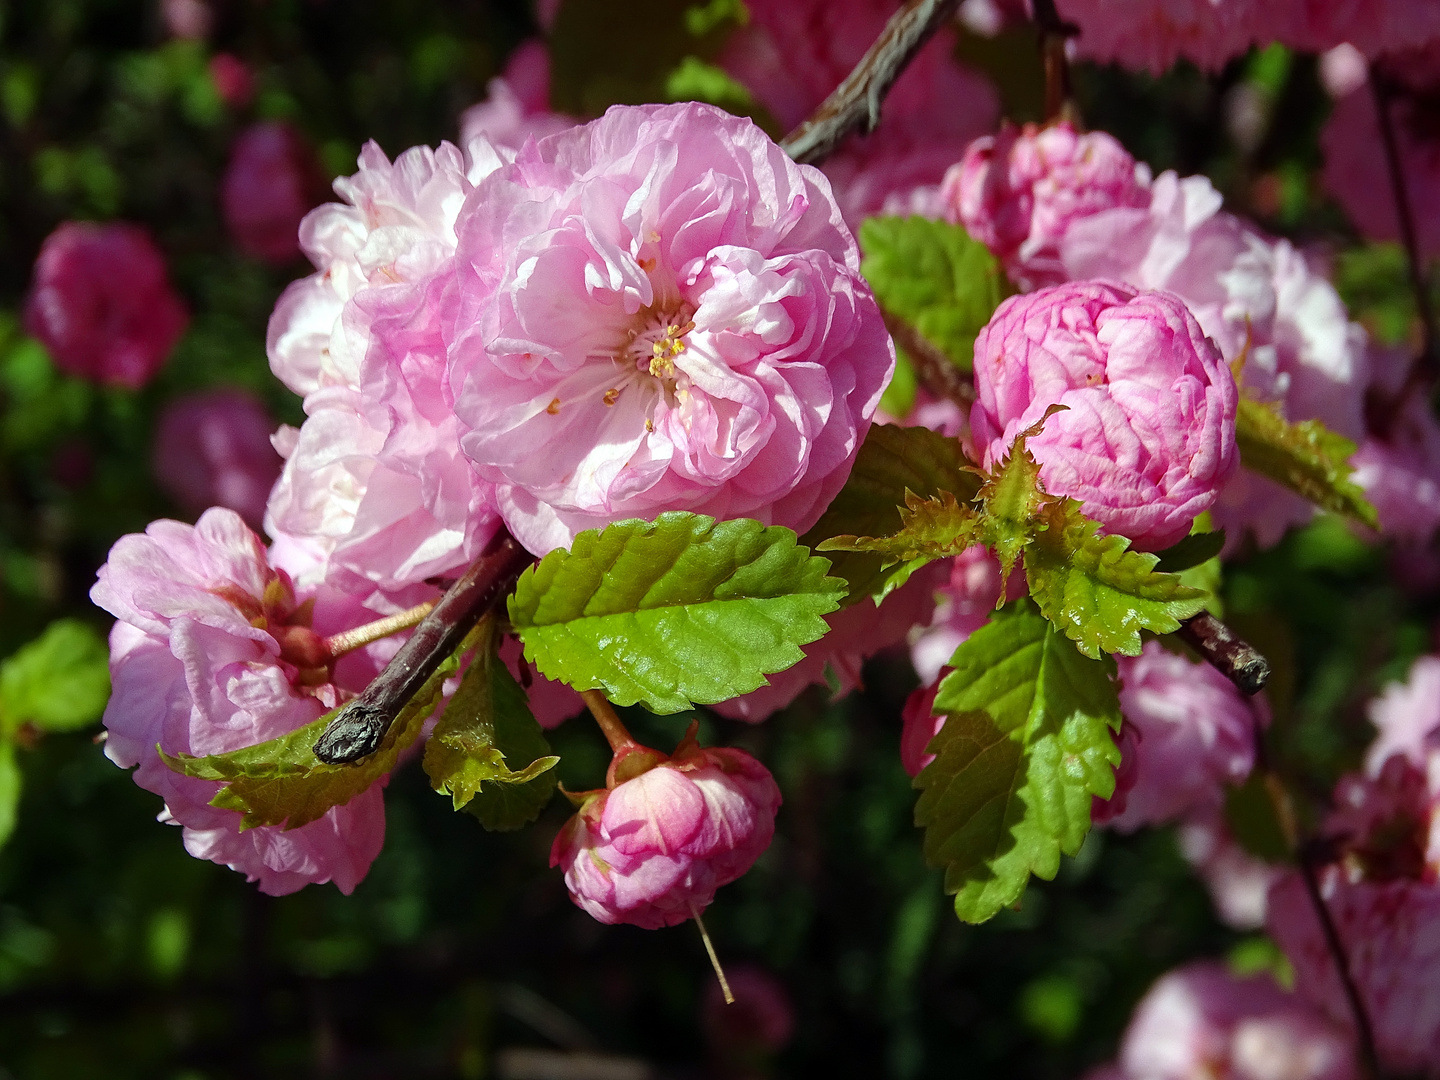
{"x": 714, "y": 960}
{"x": 350, "y": 640}
{"x": 616, "y": 734}
{"x": 855, "y": 103}
{"x": 1222, "y": 649}
{"x": 933, "y": 368}
{"x": 361, "y": 725}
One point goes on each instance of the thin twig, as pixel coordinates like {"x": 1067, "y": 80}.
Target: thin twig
{"x": 936, "y": 371}
{"x": 714, "y": 959}
{"x": 361, "y": 725}
{"x": 1369, "y": 1059}
{"x": 1054, "y": 32}
{"x": 1237, "y": 660}
{"x": 1427, "y": 364}
{"x": 855, "y": 103}
{"x": 350, "y": 640}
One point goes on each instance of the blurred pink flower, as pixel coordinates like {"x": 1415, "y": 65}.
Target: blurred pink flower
{"x": 102, "y": 303}
{"x": 1193, "y": 735}
{"x": 1371, "y": 26}
{"x": 1237, "y": 880}
{"x": 921, "y": 724}
{"x": 759, "y": 1022}
{"x": 1150, "y": 35}
{"x": 1199, "y": 1022}
{"x": 518, "y": 105}
{"x": 213, "y": 449}
{"x": 964, "y": 604}
{"x": 1148, "y": 435}
{"x": 187, "y": 19}
{"x": 1018, "y": 192}
{"x": 273, "y": 179}
{"x": 1407, "y": 717}
{"x": 660, "y": 311}
{"x": 213, "y": 651}
{"x": 792, "y": 54}
{"x": 1399, "y": 468}
{"x": 652, "y": 848}
{"x": 233, "y": 79}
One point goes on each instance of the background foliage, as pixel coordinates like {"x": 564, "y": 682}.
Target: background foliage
{"x": 120, "y": 956}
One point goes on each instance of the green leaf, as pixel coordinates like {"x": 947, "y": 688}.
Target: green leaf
{"x": 892, "y": 462}
{"x": 929, "y": 529}
{"x": 1307, "y": 458}
{"x": 673, "y": 611}
{"x": 1096, "y": 590}
{"x": 487, "y": 726}
{"x": 1025, "y": 746}
{"x": 282, "y": 782}
{"x": 58, "y": 682}
{"x": 1197, "y": 548}
{"x": 10, "y": 785}
{"x": 932, "y": 275}
{"x": 1013, "y": 497}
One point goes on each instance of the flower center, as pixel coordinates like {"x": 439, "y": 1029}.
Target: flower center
{"x": 657, "y": 341}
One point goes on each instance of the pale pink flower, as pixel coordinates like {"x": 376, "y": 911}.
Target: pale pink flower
{"x": 518, "y": 105}
{"x": 652, "y": 848}
{"x": 1237, "y": 880}
{"x": 272, "y": 181}
{"x": 213, "y": 449}
{"x": 233, "y": 79}
{"x": 375, "y": 479}
{"x": 855, "y": 634}
{"x": 792, "y": 54}
{"x": 1018, "y": 192}
{"x": 660, "y": 311}
{"x": 1200, "y": 1022}
{"x": 1150, "y": 35}
{"x": 1407, "y": 717}
{"x": 1147, "y": 438}
{"x": 190, "y": 20}
{"x": 213, "y": 650}
{"x": 1343, "y": 69}
{"x": 1357, "y": 174}
{"x": 1259, "y": 299}
{"x": 1390, "y": 931}
{"x": 102, "y": 304}
{"x": 1193, "y": 735}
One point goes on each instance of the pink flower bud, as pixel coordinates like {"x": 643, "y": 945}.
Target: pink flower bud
{"x": 652, "y": 848}
{"x": 271, "y": 182}
{"x": 1147, "y": 438}
{"x": 102, "y": 304}
{"x": 213, "y": 449}
{"x": 1188, "y": 734}
{"x": 1201, "y": 1022}
{"x": 1017, "y": 192}
{"x": 233, "y": 79}
{"x": 213, "y": 650}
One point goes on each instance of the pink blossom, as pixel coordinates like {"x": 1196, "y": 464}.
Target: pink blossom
{"x": 1150, "y": 35}
{"x": 856, "y": 633}
{"x": 518, "y": 105}
{"x": 1390, "y": 931}
{"x": 213, "y": 651}
{"x": 374, "y": 480}
{"x": 1407, "y": 716}
{"x": 1399, "y": 468}
{"x": 1194, "y": 734}
{"x": 1356, "y": 172}
{"x": 213, "y": 449}
{"x": 660, "y": 311}
{"x": 1343, "y": 69}
{"x": 964, "y": 604}
{"x": 102, "y": 304}
{"x": 1238, "y": 881}
{"x": 791, "y": 55}
{"x": 921, "y": 724}
{"x": 271, "y": 182}
{"x": 1372, "y": 26}
{"x": 1259, "y": 299}
{"x": 1200, "y": 1022}
{"x": 187, "y": 19}
{"x": 1018, "y": 192}
{"x": 233, "y": 79}
{"x": 1148, "y": 435}
{"x": 652, "y": 848}
{"x": 551, "y": 702}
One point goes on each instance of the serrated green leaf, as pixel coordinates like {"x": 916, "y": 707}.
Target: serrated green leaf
{"x": 672, "y": 612}
{"x": 1025, "y": 746}
{"x": 1305, "y": 457}
{"x": 10, "y": 785}
{"x": 1096, "y": 590}
{"x": 893, "y": 461}
{"x": 58, "y": 682}
{"x": 1013, "y": 497}
{"x": 282, "y": 782}
{"x": 929, "y": 529}
{"x": 486, "y": 727}
{"x": 1192, "y": 551}
{"x": 932, "y": 275}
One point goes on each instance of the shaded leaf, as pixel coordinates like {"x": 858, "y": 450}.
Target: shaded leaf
{"x": 1192, "y": 551}
{"x": 1305, "y": 457}
{"x": 673, "y": 611}
{"x": 58, "y": 682}
{"x": 1025, "y": 746}
{"x": 10, "y": 786}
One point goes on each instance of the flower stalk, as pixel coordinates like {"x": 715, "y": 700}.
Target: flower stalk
{"x": 358, "y": 637}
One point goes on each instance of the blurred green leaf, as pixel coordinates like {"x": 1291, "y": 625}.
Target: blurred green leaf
{"x": 696, "y": 80}
{"x": 1306, "y": 457}
{"x": 10, "y": 784}
{"x": 932, "y": 275}
{"x": 679, "y": 610}
{"x": 58, "y": 682}
{"x": 1197, "y": 548}
{"x": 1025, "y": 747}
